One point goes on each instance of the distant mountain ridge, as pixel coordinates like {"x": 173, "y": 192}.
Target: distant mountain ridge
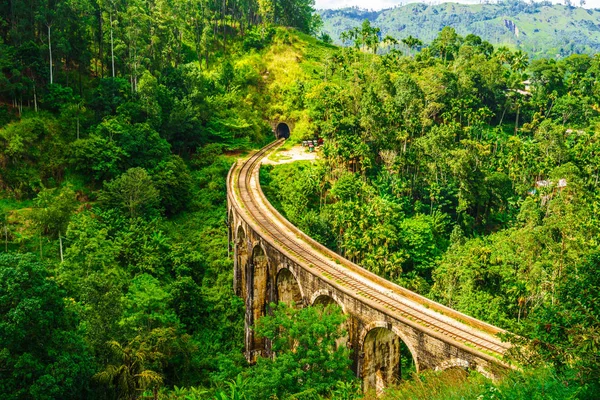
{"x": 541, "y": 29}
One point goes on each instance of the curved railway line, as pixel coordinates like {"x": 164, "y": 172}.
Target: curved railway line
{"x": 448, "y": 325}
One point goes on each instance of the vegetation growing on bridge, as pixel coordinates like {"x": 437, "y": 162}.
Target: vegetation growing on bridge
{"x": 118, "y": 124}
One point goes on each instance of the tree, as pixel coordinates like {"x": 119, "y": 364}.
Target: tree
{"x": 142, "y": 145}
{"x": 52, "y": 213}
{"x": 390, "y": 41}
{"x": 295, "y": 13}
{"x": 129, "y": 375}
{"x": 369, "y": 35}
{"x": 4, "y": 228}
{"x": 146, "y": 306}
{"x": 565, "y": 333}
{"x": 21, "y": 148}
{"x": 174, "y": 182}
{"x": 53, "y": 210}
{"x": 411, "y": 42}
{"x": 42, "y": 354}
{"x": 305, "y": 355}
{"x": 133, "y": 193}
{"x": 446, "y": 44}
{"x": 97, "y": 157}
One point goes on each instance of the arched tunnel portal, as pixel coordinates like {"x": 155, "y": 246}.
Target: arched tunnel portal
{"x": 282, "y": 131}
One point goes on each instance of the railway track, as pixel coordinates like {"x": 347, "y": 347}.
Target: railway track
{"x": 394, "y": 300}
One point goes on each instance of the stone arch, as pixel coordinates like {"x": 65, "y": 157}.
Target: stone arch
{"x": 282, "y": 131}
{"x": 453, "y": 363}
{"x": 325, "y": 298}
{"x": 240, "y": 262}
{"x": 288, "y": 288}
{"x": 463, "y": 364}
{"x": 380, "y": 353}
{"x": 258, "y": 291}
{"x": 240, "y": 233}
{"x": 230, "y": 229}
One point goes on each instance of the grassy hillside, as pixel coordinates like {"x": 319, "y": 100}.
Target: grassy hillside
{"x": 542, "y": 30}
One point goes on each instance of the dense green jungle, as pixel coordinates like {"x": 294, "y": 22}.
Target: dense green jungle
{"x": 465, "y": 172}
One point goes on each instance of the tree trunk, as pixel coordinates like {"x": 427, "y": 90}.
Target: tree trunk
{"x": 100, "y": 45}
{"x": 61, "y": 248}
{"x": 112, "y": 46}
{"x": 35, "y": 99}
{"x": 50, "y": 51}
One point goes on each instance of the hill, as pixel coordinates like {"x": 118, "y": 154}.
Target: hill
{"x": 541, "y": 29}
{"x": 119, "y": 122}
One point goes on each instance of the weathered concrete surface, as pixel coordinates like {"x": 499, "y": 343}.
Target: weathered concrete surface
{"x": 286, "y": 265}
{"x": 381, "y": 359}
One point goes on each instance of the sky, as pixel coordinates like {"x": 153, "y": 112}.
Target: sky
{"x": 381, "y": 4}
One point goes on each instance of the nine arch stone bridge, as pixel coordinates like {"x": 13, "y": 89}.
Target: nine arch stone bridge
{"x": 275, "y": 261}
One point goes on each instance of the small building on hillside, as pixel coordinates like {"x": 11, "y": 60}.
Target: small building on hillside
{"x": 562, "y": 183}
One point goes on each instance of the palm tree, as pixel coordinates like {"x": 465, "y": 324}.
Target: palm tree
{"x": 412, "y": 42}
{"x": 390, "y": 41}
{"x": 129, "y": 376}
{"x": 520, "y": 61}
{"x": 345, "y": 37}
{"x": 504, "y": 55}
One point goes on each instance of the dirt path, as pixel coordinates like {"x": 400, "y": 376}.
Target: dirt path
{"x": 296, "y": 153}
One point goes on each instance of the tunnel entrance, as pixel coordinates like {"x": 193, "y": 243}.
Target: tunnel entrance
{"x": 282, "y": 131}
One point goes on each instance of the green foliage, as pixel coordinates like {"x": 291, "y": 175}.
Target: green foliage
{"x": 97, "y": 157}
{"x": 146, "y": 306}
{"x": 442, "y": 169}
{"x": 174, "y": 183}
{"x": 142, "y": 145}
{"x": 53, "y": 210}
{"x": 23, "y": 153}
{"x": 565, "y": 331}
{"x": 257, "y": 39}
{"x": 133, "y": 193}
{"x": 57, "y": 97}
{"x": 535, "y": 384}
{"x": 298, "y": 14}
{"x": 42, "y": 353}
{"x": 306, "y": 357}
{"x": 372, "y": 230}
{"x": 457, "y": 384}
{"x": 130, "y": 376}
{"x": 109, "y": 95}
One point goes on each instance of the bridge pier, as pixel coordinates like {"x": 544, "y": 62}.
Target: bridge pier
{"x": 260, "y": 291}
{"x": 380, "y": 359}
